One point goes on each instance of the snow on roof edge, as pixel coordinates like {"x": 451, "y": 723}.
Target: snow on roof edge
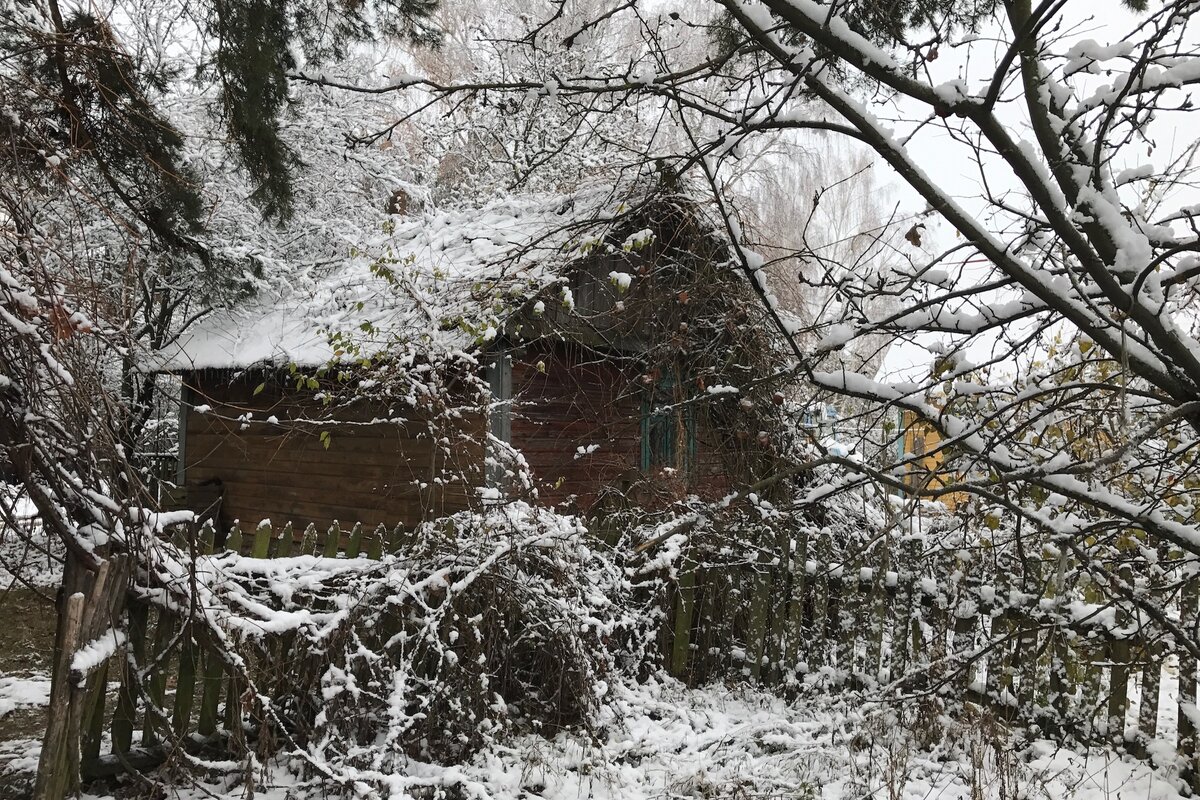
{"x": 443, "y": 281}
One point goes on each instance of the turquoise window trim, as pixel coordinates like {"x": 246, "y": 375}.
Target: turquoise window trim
{"x": 658, "y": 430}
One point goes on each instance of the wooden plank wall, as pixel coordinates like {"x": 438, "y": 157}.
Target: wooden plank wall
{"x": 272, "y": 467}
{"x": 566, "y": 398}
{"x": 247, "y": 447}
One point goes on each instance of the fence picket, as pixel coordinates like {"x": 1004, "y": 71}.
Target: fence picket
{"x": 234, "y": 540}
{"x": 185, "y": 683}
{"x": 262, "y": 540}
{"x": 56, "y": 768}
{"x": 1187, "y": 743}
{"x": 899, "y": 645}
{"x": 1089, "y": 675}
{"x": 987, "y": 614}
{"x": 1118, "y": 686}
{"x": 877, "y": 604}
{"x": 106, "y": 606}
{"x": 206, "y": 539}
{"x": 797, "y": 603}
{"x": 999, "y": 682}
{"x": 210, "y": 698}
{"x": 891, "y": 631}
{"x": 332, "y": 540}
{"x": 856, "y": 615}
{"x": 308, "y": 545}
{"x": 939, "y": 625}
{"x": 1151, "y": 681}
{"x": 124, "y": 713}
{"x": 911, "y": 637}
{"x": 684, "y": 604}
{"x": 160, "y": 659}
{"x": 819, "y": 638}
{"x": 233, "y": 711}
{"x": 375, "y": 542}
{"x": 780, "y": 580}
{"x": 962, "y": 643}
{"x": 355, "y": 542}
{"x": 283, "y": 545}
{"x": 400, "y": 540}
{"x": 760, "y": 599}
{"x": 93, "y": 720}
{"x": 924, "y": 600}
{"x": 1056, "y": 698}
{"x": 833, "y": 618}
{"x": 1118, "y": 689}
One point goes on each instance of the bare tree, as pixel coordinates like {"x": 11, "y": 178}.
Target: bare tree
{"x": 1059, "y": 312}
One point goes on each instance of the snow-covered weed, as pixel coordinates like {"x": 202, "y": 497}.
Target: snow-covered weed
{"x": 485, "y": 627}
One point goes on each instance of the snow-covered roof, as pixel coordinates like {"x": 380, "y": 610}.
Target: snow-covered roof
{"x": 441, "y": 281}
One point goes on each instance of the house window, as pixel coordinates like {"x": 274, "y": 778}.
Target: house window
{"x": 499, "y": 377}
{"x": 668, "y": 428}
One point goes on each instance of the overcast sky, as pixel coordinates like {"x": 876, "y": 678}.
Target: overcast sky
{"x": 954, "y": 166}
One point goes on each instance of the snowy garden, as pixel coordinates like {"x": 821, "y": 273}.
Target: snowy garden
{"x": 599, "y": 398}
{"x": 596, "y": 720}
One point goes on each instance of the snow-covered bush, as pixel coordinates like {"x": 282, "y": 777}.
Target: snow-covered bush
{"x": 482, "y": 626}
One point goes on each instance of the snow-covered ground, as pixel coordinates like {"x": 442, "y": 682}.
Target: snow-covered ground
{"x": 23, "y": 698}
{"x": 23, "y": 691}
{"x": 666, "y": 741}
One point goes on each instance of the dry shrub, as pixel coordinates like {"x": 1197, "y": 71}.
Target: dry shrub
{"x": 486, "y": 624}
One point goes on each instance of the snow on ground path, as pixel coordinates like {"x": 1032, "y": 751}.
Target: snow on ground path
{"x": 23, "y": 691}
{"x": 18, "y": 765}
{"x": 23, "y": 698}
{"x": 663, "y": 740}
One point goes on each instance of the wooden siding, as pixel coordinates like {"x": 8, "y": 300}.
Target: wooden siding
{"x": 927, "y": 474}
{"x": 564, "y": 398}
{"x": 567, "y": 398}
{"x": 390, "y": 472}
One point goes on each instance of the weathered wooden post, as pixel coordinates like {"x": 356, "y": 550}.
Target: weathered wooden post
{"x": 57, "y": 774}
{"x": 88, "y": 602}
{"x": 684, "y": 604}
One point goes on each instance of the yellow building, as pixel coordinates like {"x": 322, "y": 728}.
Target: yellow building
{"x": 921, "y": 449}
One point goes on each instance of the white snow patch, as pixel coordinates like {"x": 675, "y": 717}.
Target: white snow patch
{"x": 23, "y": 691}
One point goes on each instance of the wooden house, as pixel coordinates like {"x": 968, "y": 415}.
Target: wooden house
{"x": 556, "y": 349}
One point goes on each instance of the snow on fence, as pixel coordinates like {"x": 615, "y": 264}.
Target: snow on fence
{"x": 193, "y": 697}
{"x": 880, "y": 621}
{"x": 906, "y": 618}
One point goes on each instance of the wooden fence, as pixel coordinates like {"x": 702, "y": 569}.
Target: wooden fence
{"x": 894, "y": 619}
{"x": 904, "y": 618}
{"x": 192, "y": 696}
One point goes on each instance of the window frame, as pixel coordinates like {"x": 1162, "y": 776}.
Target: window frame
{"x": 659, "y": 431}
